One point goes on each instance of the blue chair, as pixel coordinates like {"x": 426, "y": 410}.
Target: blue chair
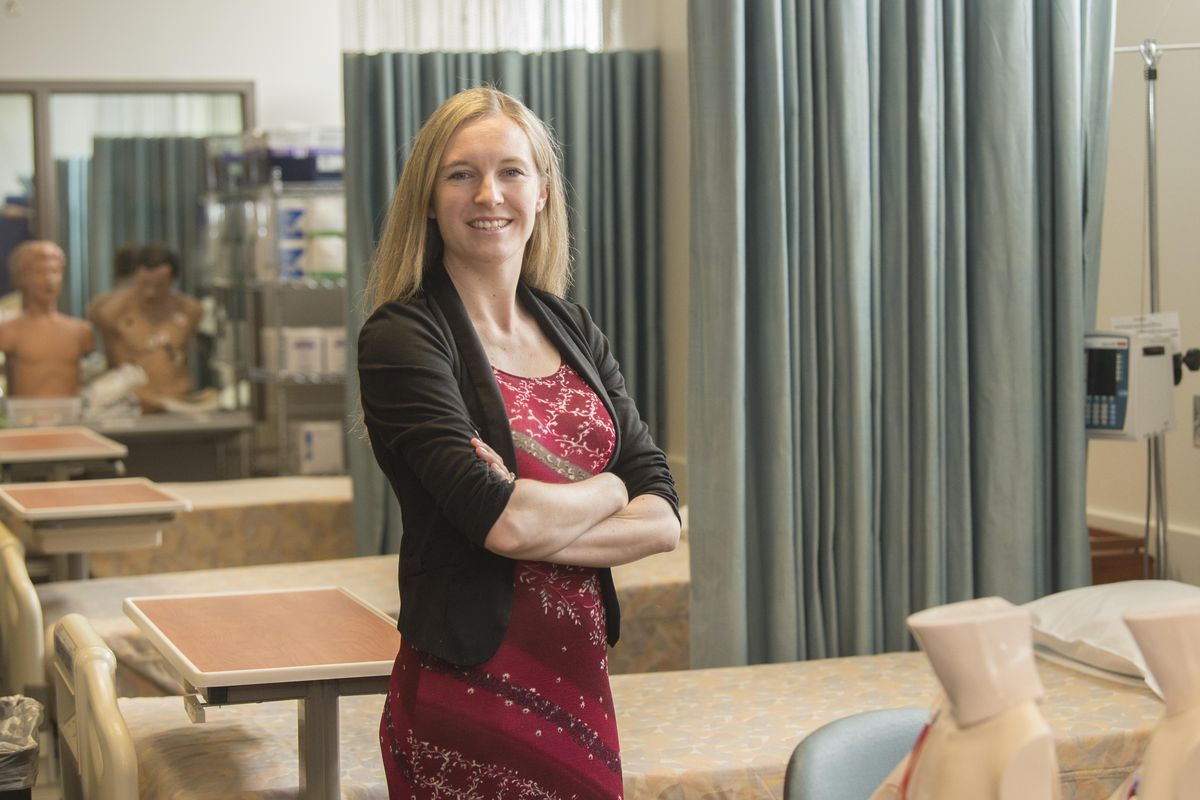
{"x": 847, "y": 759}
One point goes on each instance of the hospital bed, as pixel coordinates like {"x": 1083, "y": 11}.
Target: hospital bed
{"x": 22, "y": 668}
{"x": 698, "y": 734}
{"x": 246, "y": 522}
{"x": 653, "y": 594}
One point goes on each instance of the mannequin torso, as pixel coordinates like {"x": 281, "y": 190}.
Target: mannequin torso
{"x": 988, "y": 740}
{"x": 1008, "y": 757}
{"x": 42, "y": 347}
{"x": 153, "y": 335}
{"x": 1169, "y": 638}
{"x": 42, "y": 353}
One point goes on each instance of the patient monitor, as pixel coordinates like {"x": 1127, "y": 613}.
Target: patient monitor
{"x": 1129, "y": 381}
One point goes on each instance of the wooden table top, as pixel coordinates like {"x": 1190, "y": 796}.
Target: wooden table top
{"x": 84, "y": 499}
{"x": 270, "y": 636}
{"x": 56, "y": 444}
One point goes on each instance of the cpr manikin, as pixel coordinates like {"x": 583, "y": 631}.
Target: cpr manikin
{"x": 1169, "y": 638}
{"x": 150, "y": 325}
{"x": 42, "y": 346}
{"x": 987, "y": 739}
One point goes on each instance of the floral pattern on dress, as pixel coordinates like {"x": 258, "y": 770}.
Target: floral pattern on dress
{"x": 567, "y": 592}
{"x": 558, "y": 422}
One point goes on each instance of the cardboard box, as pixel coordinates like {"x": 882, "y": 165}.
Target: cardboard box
{"x": 317, "y": 447}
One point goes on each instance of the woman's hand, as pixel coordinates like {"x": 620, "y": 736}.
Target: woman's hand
{"x": 492, "y": 459}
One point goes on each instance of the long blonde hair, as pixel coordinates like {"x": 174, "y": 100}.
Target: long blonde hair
{"x": 410, "y": 240}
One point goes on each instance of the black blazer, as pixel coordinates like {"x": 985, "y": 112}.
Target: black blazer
{"x": 427, "y": 389}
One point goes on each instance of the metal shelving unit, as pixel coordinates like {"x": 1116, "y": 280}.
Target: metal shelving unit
{"x": 265, "y": 312}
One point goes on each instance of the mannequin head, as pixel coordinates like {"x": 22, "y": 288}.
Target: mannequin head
{"x": 36, "y": 269}
{"x": 157, "y": 267}
{"x": 1169, "y": 638}
{"x": 982, "y": 653}
{"x": 125, "y": 262}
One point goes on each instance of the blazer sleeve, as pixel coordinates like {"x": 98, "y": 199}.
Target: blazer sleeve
{"x": 413, "y": 408}
{"x": 640, "y": 463}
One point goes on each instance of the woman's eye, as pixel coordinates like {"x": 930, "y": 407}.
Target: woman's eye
{"x": 513, "y": 172}
{"x": 460, "y": 175}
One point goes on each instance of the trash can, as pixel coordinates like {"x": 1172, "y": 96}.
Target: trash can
{"x": 20, "y": 718}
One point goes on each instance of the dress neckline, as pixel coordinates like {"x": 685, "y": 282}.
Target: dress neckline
{"x": 562, "y": 365}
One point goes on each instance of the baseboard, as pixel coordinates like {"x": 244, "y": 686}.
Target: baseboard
{"x": 1183, "y": 542}
{"x": 1130, "y": 526}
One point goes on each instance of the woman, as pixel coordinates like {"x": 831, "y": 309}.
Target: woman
{"x": 522, "y": 468}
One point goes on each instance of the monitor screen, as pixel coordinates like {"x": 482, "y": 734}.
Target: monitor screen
{"x": 1102, "y": 372}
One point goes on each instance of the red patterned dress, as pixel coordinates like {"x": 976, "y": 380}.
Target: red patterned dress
{"x": 536, "y": 720}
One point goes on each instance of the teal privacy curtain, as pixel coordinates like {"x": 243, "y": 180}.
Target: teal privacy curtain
{"x": 895, "y": 234}
{"x": 603, "y": 107}
{"x": 145, "y": 189}
{"x": 71, "y": 199}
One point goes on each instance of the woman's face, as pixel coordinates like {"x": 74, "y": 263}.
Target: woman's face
{"x": 487, "y": 194}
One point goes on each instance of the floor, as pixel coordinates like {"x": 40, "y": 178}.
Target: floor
{"x": 47, "y": 787}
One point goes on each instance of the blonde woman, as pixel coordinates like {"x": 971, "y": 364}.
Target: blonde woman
{"x": 522, "y": 468}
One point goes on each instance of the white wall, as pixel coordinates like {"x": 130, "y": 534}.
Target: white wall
{"x": 289, "y": 48}
{"x": 16, "y": 143}
{"x": 1117, "y": 470}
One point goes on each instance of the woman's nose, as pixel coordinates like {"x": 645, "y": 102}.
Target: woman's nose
{"x": 489, "y": 192}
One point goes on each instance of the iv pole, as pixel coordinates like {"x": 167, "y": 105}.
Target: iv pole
{"x": 1156, "y": 447}
{"x": 1151, "y": 52}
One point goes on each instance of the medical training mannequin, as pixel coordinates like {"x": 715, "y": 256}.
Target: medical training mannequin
{"x": 1169, "y": 638}
{"x": 124, "y": 266}
{"x": 987, "y": 739}
{"x": 151, "y": 325}
{"x": 42, "y": 346}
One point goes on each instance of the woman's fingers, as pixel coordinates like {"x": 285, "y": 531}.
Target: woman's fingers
{"x": 493, "y": 459}
{"x": 485, "y": 452}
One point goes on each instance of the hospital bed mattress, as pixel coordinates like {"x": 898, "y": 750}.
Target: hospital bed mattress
{"x": 246, "y": 522}
{"x": 706, "y": 733}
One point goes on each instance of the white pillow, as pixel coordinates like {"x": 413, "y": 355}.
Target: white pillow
{"x": 1086, "y": 624}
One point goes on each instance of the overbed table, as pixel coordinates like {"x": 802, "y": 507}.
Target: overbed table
{"x": 70, "y": 519}
{"x": 53, "y": 453}
{"x": 310, "y": 645}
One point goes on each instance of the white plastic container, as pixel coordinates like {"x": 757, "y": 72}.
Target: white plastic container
{"x": 326, "y": 257}
{"x": 293, "y": 259}
{"x": 335, "y": 349}
{"x": 26, "y": 412}
{"x": 292, "y": 214}
{"x": 303, "y": 350}
{"x": 317, "y": 447}
{"x": 326, "y": 214}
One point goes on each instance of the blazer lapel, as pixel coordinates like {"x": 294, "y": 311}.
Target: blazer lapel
{"x": 487, "y": 402}
{"x": 571, "y": 349}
